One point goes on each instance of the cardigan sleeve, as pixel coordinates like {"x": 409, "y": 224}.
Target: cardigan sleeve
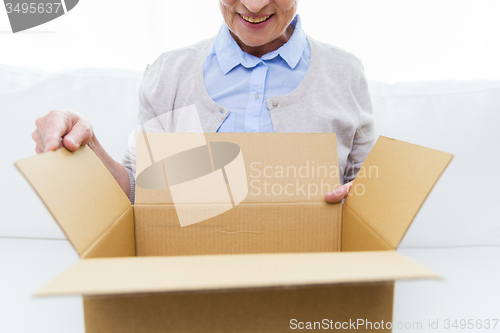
{"x": 364, "y": 138}
{"x": 147, "y": 116}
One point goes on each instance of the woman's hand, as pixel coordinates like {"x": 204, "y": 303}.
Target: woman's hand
{"x": 339, "y": 193}
{"x": 60, "y": 129}
{"x": 70, "y": 129}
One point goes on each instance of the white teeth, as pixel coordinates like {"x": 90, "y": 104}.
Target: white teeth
{"x": 255, "y": 19}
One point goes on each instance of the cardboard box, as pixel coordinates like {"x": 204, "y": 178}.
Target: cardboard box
{"x": 266, "y": 263}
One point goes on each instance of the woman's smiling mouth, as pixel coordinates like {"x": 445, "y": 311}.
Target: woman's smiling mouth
{"x": 254, "y": 20}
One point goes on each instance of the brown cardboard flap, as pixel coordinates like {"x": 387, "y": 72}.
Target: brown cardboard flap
{"x": 242, "y": 311}
{"x": 117, "y": 241}
{"x": 358, "y": 236}
{"x": 223, "y": 272}
{"x": 80, "y": 193}
{"x": 392, "y": 185}
{"x": 277, "y": 167}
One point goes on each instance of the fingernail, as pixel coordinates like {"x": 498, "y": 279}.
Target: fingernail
{"x": 338, "y": 190}
{"x": 73, "y": 142}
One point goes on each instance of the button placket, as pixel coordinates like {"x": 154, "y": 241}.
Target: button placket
{"x": 255, "y": 100}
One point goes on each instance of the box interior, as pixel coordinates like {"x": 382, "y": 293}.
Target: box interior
{"x": 99, "y": 221}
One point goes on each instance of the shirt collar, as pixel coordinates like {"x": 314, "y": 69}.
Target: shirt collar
{"x": 230, "y": 55}
{"x": 292, "y": 50}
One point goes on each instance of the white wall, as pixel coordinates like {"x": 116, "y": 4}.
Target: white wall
{"x": 398, "y": 40}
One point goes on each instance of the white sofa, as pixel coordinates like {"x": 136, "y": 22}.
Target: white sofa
{"x": 456, "y": 233}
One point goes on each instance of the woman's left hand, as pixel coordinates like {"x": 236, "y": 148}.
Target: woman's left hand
{"x": 339, "y": 193}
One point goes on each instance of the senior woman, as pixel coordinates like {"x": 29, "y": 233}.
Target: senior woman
{"x": 261, "y": 73}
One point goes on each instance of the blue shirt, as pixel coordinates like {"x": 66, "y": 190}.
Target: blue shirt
{"x": 241, "y": 82}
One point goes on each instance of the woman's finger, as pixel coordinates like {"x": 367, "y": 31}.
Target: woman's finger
{"x": 56, "y": 126}
{"x": 38, "y": 139}
{"x": 79, "y": 135}
{"x": 338, "y": 194}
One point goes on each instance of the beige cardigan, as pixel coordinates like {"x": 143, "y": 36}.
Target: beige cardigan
{"x": 333, "y": 97}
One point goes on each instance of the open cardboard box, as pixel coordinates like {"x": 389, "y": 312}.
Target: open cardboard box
{"x": 275, "y": 257}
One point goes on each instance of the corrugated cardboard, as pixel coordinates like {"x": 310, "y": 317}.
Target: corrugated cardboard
{"x": 273, "y": 223}
{"x": 269, "y": 259}
{"x": 106, "y": 276}
{"x": 260, "y": 310}
{"x": 405, "y": 175}
{"x": 79, "y": 192}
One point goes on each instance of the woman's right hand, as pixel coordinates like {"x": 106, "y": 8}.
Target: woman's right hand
{"x": 71, "y": 129}
{"x": 59, "y": 129}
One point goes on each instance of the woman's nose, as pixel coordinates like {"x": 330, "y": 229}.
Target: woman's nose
{"x": 255, "y": 6}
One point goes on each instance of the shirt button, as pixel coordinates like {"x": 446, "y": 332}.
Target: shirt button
{"x": 256, "y": 96}
{"x": 276, "y": 103}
